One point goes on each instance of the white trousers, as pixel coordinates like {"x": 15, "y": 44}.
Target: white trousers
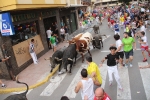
{"x": 114, "y": 70}
{"x": 33, "y": 55}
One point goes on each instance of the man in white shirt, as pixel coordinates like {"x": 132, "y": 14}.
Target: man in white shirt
{"x": 144, "y": 45}
{"x": 49, "y": 33}
{"x": 32, "y": 51}
{"x": 97, "y": 20}
{"x": 86, "y": 85}
{"x": 142, "y": 10}
{"x": 142, "y": 28}
{"x": 119, "y": 50}
{"x": 62, "y": 33}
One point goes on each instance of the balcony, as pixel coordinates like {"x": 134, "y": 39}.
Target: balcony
{"x": 6, "y": 5}
{"x": 86, "y": 2}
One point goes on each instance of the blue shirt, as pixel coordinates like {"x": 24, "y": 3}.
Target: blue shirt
{"x": 116, "y": 26}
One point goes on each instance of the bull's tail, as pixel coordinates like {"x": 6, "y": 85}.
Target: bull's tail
{"x": 24, "y": 84}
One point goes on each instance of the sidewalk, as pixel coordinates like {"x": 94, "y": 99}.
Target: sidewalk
{"x": 36, "y": 75}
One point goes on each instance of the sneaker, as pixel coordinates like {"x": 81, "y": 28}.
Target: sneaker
{"x": 110, "y": 83}
{"x": 59, "y": 73}
{"x": 130, "y": 65}
{"x": 120, "y": 88}
{"x": 4, "y": 86}
{"x": 144, "y": 60}
{"x": 126, "y": 65}
{"x": 123, "y": 64}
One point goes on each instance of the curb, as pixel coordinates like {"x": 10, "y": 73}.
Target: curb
{"x": 9, "y": 90}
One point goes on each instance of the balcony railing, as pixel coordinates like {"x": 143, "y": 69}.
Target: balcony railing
{"x": 86, "y": 1}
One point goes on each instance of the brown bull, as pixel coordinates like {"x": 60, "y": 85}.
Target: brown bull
{"x": 76, "y": 38}
{"x": 81, "y": 47}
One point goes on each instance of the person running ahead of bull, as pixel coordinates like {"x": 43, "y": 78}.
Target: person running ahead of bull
{"x": 93, "y": 71}
{"x": 112, "y": 60}
{"x": 144, "y": 45}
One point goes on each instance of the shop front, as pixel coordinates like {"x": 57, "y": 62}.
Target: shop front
{"x": 27, "y": 25}
{"x": 68, "y": 16}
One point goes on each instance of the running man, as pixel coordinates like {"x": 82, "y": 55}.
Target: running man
{"x": 128, "y": 43}
{"x": 93, "y": 71}
{"x": 86, "y": 85}
{"x": 100, "y": 94}
{"x": 144, "y": 45}
{"x": 112, "y": 60}
{"x": 116, "y": 28}
{"x": 119, "y": 50}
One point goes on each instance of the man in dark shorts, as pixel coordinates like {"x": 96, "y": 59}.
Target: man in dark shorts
{"x": 119, "y": 50}
{"x": 128, "y": 46}
{"x": 3, "y": 60}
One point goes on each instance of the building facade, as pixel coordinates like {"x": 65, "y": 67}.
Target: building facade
{"x": 106, "y": 3}
{"x": 31, "y": 19}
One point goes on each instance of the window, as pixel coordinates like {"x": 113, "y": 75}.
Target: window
{"x": 24, "y": 31}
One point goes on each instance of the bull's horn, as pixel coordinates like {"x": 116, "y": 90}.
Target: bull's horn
{"x": 56, "y": 58}
{"x": 73, "y": 43}
{"x": 82, "y": 45}
{"x": 59, "y": 59}
{"x": 69, "y": 59}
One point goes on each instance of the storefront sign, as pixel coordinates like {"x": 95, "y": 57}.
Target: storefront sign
{"x": 21, "y": 50}
{"x": 6, "y": 25}
{"x": 22, "y": 17}
{"x": 48, "y": 13}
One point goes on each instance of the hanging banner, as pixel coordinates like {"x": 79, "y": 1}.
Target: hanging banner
{"x": 6, "y": 25}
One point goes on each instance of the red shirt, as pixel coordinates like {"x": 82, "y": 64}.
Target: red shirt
{"x": 108, "y": 19}
{"x": 112, "y": 22}
{"x": 94, "y": 15}
{"x": 106, "y": 97}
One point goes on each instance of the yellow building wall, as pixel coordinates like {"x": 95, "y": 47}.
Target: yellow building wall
{"x": 93, "y": 0}
{"x": 63, "y": 1}
{"x": 78, "y": 1}
{"x": 5, "y": 3}
{"x": 38, "y": 1}
{"x": 24, "y": 1}
{"x": 72, "y": 1}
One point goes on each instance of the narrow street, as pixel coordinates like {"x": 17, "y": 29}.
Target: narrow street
{"x": 135, "y": 81}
